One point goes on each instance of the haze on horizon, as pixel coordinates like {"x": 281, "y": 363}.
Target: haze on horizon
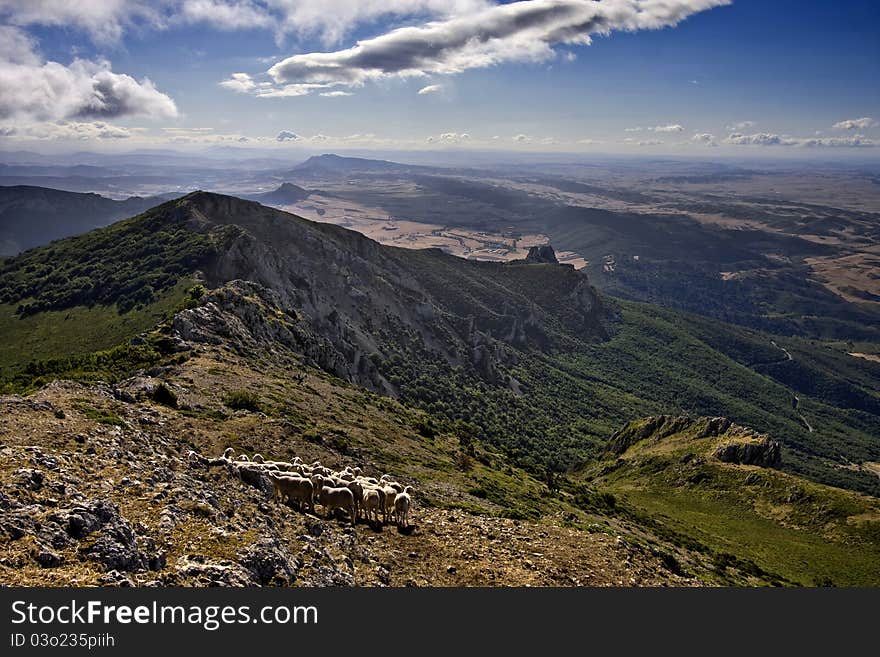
{"x": 701, "y": 78}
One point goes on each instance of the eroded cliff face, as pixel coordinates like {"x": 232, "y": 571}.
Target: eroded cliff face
{"x": 348, "y": 303}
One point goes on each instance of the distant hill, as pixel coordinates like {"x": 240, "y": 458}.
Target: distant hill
{"x": 329, "y": 164}
{"x": 286, "y": 194}
{"x": 32, "y": 216}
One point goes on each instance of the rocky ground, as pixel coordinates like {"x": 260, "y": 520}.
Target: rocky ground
{"x": 96, "y": 488}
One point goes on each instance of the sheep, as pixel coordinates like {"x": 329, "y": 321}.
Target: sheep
{"x": 370, "y": 502}
{"x": 358, "y": 491}
{"x": 258, "y": 458}
{"x": 337, "y": 498}
{"x": 293, "y": 488}
{"x": 390, "y": 494}
{"x": 402, "y": 503}
{"x": 243, "y": 457}
{"x": 226, "y": 459}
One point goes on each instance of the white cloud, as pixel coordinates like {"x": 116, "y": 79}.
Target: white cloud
{"x": 34, "y": 90}
{"x": 741, "y": 125}
{"x": 642, "y": 142}
{"x": 68, "y": 130}
{"x": 289, "y": 90}
{"x": 240, "y": 82}
{"x": 227, "y": 15}
{"x": 759, "y": 139}
{"x": 570, "y": 56}
{"x": 668, "y": 128}
{"x": 106, "y": 20}
{"x": 522, "y": 139}
{"x": 319, "y": 138}
{"x": 202, "y": 136}
{"x": 636, "y": 129}
{"x": 704, "y": 138}
{"x": 287, "y": 135}
{"x": 519, "y": 31}
{"x": 765, "y": 139}
{"x": 856, "y": 141}
{"x": 337, "y": 94}
{"x": 449, "y": 138}
{"x": 431, "y": 89}
{"x": 856, "y": 124}
{"x": 589, "y": 142}
{"x": 103, "y": 20}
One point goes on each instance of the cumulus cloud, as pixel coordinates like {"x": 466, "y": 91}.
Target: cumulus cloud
{"x": 336, "y": 94}
{"x": 34, "y": 90}
{"x": 519, "y": 31}
{"x": 287, "y": 135}
{"x": 668, "y": 128}
{"x": 856, "y": 124}
{"x": 856, "y": 141}
{"x": 522, "y": 139}
{"x": 431, "y": 89}
{"x": 448, "y": 138}
{"x": 741, "y": 125}
{"x": 589, "y": 142}
{"x": 759, "y": 139}
{"x": 104, "y": 20}
{"x": 240, "y": 82}
{"x": 704, "y": 138}
{"x": 330, "y": 20}
{"x": 68, "y": 130}
{"x": 769, "y": 139}
{"x": 226, "y": 14}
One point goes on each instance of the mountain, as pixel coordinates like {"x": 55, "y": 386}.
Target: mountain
{"x": 31, "y": 216}
{"x": 333, "y": 165}
{"x": 494, "y": 388}
{"x": 286, "y": 194}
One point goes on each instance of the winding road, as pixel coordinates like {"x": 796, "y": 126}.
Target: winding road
{"x": 796, "y": 401}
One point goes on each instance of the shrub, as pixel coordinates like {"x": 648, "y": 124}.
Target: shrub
{"x": 242, "y": 400}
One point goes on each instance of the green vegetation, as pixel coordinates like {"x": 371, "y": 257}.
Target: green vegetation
{"x": 127, "y": 264}
{"x": 243, "y": 400}
{"x": 803, "y": 532}
{"x": 76, "y": 331}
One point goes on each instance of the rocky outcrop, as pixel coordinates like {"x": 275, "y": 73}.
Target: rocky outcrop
{"x": 543, "y": 253}
{"x": 763, "y": 452}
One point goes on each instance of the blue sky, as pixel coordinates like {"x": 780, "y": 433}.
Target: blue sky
{"x": 747, "y": 76}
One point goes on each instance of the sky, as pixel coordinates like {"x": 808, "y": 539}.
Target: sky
{"x": 702, "y": 77}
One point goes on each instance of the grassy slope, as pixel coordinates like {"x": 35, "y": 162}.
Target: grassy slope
{"x": 802, "y": 532}
{"x": 77, "y": 330}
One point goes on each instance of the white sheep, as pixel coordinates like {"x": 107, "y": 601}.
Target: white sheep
{"x": 358, "y": 491}
{"x": 337, "y": 498}
{"x": 370, "y": 501}
{"x": 402, "y": 504}
{"x": 293, "y": 488}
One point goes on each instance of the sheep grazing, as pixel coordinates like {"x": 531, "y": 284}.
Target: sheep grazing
{"x": 258, "y": 458}
{"x": 370, "y": 502}
{"x": 358, "y": 491}
{"x": 337, "y": 498}
{"x": 390, "y": 494}
{"x": 243, "y": 457}
{"x": 293, "y": 488}
{"x": 228, "y": 452}
{"x": 402, "y": 504}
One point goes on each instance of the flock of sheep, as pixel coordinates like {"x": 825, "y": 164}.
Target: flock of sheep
{"x": 348, "y": 489}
